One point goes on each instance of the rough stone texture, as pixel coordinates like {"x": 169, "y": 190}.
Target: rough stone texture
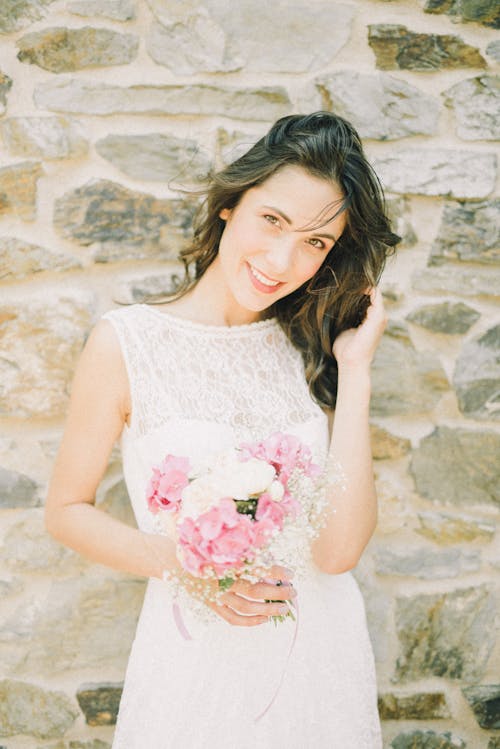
{"x": 116, "y": 502}
{"x": 397, "y": 48}
{"x": 81, "y": 623}
{"x": 426, "y": 563}
{"x": 398, "y": 212}
{"x": 92, "y": 744}
{"x": 27, "y": 547}
{"x": 419, "y": 706}
{"x": 266, "y": 103}
{"x": 458, "y": 466}
{"x": 40, "y": 339}
{"x": 386, "y": 445}
{"x": 117, "y": 10}
{"x": 462, "y": 281}
{"x": 17, "y": 14}
{"x": 5, "y": 86}
{"x": 162, "y": 158}
{"x": 416, "y": 380}
{"x": 468, "y": 232}
{"x": 445, "y": 634}
{"x": 380, "y": 106}
{"x": 27, "y": 709}
{"x": 493, "y": 50}
{"x": 148, "y": 288}
{"x": 448, "y": 317}
{"x": 43, "y": 137}
{"x": 393, "y": 511}
{"x": 427, "y": 740}
{"x": 476, "y": 103}
{"x": 62, "y": 50}
{"x": 222, "y": 37}
{"x": 18, "y": 189}
{"x": 484, "y": 11}
{"x": 120, "y": 223}
{"x": 19, "y": 259}
{"x": 477, "y": 376}
{"x": 443, "y": 528}
{"x": 99, "y": 703}
{"x": 422, "y": 171}
{"x": 17, "y": 490}
{"x": 494, "y": 742}
{"x": 484, "y": 699}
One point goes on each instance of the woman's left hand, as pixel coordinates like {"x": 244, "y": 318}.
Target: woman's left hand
{"x": 355, "y": 348}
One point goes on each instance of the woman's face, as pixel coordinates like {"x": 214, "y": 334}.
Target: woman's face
{"x": 267, "y": 249}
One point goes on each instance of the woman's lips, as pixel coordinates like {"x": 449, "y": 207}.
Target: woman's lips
{"x": 259, "y": 285}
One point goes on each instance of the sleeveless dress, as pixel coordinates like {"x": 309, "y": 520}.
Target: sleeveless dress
{"x": 197, "y": 390}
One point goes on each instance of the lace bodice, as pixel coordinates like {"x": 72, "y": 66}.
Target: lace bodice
{"x": 244, "y": 376}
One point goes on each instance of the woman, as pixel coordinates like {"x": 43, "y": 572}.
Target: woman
{"x": 276, "y": 327}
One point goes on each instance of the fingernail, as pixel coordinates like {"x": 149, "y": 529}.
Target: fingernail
{"x": 283, "y": 609}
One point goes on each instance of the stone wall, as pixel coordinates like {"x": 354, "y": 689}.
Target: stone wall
{"x": 107, "y": 107}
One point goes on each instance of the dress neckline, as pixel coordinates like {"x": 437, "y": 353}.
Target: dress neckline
{"x": 186, "y": 324}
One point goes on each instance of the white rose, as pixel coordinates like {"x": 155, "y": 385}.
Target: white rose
{"x": 241, "y": 479}
{"x": 199, "y": 496}
{"x": 276, "y": 490}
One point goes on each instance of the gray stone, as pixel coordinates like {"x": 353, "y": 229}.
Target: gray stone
{"x": 19, "y": 259}
{"x": 484, "y": 700}
{"x": 99, "y": 703}
{"x": 265, "y": 103}
{"x": 427, "y": 740}
{"x": 477, "y": 376}
{"x": 231, "y": 145}
{"x": 380, "y": 106}
{"x": 493, "y": 50}
{"x": 447, "y": 635}
{"x": 468, "y": 232}
{"x": 82, "y": 623}
{"x": 397, "y": 48}
{"x": 458, "y": 466}
{"x": 448, "y": 317}
{"x": 419, "y": 706}
{"x": 481, "y": 11}
{"x": 28, "y": 709}
{"x": 148, "y": 288}
{"x": 120, "y": 224}
{"x": 455, "y": 280}
{"x": 157, "y": 157}
{"x": 62, "y": 50}
{"x": 17, "y": 14}
{"x": 92, "y": 744}
{"x": 494, "y": 742}
{"x": 117, "y": 10}
{"x": 221, "y": 37}
{"x": 422, "y": 171}
{"x": 476, "y": 104}
{"x": 398, "y": 212}
{"x": 43, "y": 137}
{"x": 27, "y": 547}
{"x": 5, "y": 86}
{"x": 387, "y": 446}
{"x": 443, "y": 528}
{"x": 426, "y": 563}
{"x": 17, "y": 490}
{"x": 18, "y": 189}
{"x": 40, "y": 340}
{"x": 116, "y": 502}
{"x": 405, "y": 380}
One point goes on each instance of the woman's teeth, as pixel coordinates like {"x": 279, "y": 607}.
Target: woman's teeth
{"x": 263, "y": 279}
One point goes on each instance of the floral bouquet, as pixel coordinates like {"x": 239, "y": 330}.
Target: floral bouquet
{"x": 241, "y": 510}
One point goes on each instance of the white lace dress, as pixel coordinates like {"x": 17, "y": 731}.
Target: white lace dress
{"x": 198, "y": 389}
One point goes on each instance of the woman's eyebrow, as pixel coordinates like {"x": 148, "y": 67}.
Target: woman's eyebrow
{"x": 289, "y": 221}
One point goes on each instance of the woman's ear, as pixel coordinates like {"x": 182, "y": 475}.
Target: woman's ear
{"x": 225, "y": 213}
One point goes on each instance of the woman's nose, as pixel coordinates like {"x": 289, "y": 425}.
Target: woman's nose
{"x": 280, "y": 255}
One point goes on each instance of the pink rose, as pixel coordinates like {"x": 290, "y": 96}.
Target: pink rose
{"x": 166, "y": 484}
{"x": 268, "y": 510}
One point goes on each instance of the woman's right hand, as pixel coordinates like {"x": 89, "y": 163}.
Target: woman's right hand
{"x": 248, "y": 604}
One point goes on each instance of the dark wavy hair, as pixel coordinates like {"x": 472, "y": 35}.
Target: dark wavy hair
{"x": 334, "y": 299}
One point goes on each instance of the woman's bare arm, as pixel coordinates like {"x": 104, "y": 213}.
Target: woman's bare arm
{"x": 352, "y": 501}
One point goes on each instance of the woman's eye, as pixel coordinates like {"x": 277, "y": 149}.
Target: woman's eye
{"x": 317, "y": 243}
{"x": 271, "y": 219}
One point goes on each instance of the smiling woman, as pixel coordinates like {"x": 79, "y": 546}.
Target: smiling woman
{"x": 277, "y": 320}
